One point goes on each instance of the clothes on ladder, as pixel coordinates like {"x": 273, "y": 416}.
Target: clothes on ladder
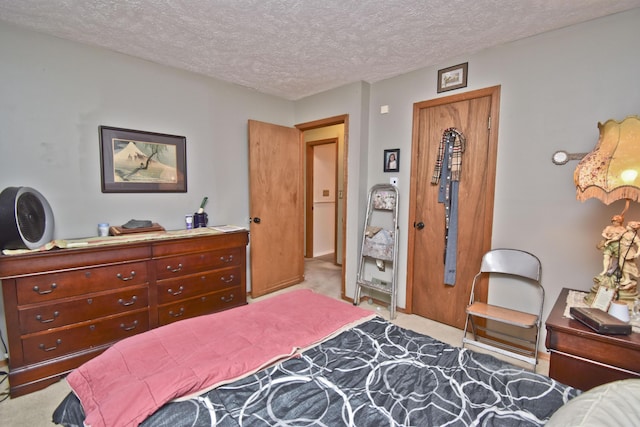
{"x": 379, "y": 248}
{"x": 447, "y": 173}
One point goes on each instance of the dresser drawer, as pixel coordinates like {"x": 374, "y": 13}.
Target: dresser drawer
{"x": 58, "y": 342}
{"x": 91, "y": 306}
{"x": 186, "y": 264}
{"x": 198, "y": 306}
{"x": 197, "y": 244}
{"x": 63, "y": 307}
{"x": 37, "y": 289}
{"x": 172, "y": 290}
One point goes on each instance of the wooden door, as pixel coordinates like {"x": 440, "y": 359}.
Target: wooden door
{"x": 276, "y": 207}
{"x": 475, "y": 114}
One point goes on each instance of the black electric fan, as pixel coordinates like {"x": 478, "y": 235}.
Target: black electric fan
{"x": 26, "y": 219}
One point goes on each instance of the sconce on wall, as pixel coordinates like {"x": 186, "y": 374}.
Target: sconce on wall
{"x": 562, "y": 157}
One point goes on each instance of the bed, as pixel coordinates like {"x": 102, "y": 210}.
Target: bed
{"x": 334, "y": 364}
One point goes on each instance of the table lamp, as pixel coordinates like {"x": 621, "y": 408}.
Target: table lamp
{"x": 611, "y": 172}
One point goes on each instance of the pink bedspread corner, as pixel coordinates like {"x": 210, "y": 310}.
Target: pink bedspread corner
{"x": 185, "y": 357}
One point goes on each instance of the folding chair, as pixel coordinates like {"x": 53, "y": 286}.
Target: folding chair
{"x": 515, "y": 268}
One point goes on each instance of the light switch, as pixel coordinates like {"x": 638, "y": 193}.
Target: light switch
{"x": 393, "y": 180}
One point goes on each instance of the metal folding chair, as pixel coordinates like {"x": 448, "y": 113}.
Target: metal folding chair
{"x": 520, "y": 337}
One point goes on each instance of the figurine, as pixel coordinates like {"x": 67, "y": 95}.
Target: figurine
{"x": 629, "y": 251}
{"x": 610, "y": 245}
{"x": 620, "y": 247}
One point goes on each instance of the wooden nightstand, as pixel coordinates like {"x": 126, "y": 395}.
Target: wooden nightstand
{"x": 585, "y": 359}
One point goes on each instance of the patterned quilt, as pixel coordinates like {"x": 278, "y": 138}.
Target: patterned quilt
{"x": 371, "y": 375}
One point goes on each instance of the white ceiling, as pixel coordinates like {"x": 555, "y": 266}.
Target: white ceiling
{"x": 297, "y": 48}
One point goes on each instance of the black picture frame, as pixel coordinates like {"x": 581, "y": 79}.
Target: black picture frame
{"x": 388, "y": 160}
{"x": 451, "y": 78}
{"x": 134, "y": 161}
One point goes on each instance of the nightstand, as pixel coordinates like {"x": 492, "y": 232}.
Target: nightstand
{"x": 582, "y": 358}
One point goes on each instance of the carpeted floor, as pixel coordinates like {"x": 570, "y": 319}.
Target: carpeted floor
{"x": 321, "y": 275}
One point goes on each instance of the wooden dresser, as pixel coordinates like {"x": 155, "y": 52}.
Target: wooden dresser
{"x": 583, "y": 358}
{"x": 65, "y": 306}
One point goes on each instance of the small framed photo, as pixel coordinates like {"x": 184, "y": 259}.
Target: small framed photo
{"x": 603, "y": 298}
{"x": 133, "y": 161}
{"x": 453, "y": 77}
{"x": 392, "y": 160}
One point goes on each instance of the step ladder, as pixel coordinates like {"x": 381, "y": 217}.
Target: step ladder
{"x": 377, "y": 269}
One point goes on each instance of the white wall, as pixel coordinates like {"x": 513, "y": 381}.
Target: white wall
{"x": 555, "y": 88}
{"x": 55, "y": 94}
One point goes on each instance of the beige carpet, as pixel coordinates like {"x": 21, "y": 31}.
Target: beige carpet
{"x": 35, "y": 409}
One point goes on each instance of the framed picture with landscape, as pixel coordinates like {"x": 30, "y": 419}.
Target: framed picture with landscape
{"x": 453, "y": 77}
{"x": 133, "y": 161}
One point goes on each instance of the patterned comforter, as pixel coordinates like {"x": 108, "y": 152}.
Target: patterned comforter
{"x": 371, "y": 375}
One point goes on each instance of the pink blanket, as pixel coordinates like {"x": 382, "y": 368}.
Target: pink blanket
{"x": 138, "y": 375}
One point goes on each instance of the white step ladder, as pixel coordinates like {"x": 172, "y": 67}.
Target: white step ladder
{"x": 377, "y": 269}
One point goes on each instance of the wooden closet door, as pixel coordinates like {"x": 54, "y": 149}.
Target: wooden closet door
{"x": 475, "y": 114}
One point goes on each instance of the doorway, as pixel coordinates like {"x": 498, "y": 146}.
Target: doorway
{"x": 475, "y": 114}
{"x": 319, "y": 133}
{"x": 321, "y": 201}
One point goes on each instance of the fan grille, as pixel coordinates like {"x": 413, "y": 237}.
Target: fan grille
{"x": 31, "y": 217}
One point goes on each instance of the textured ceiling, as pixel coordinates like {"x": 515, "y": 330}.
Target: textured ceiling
{"x": 297, "y": 48}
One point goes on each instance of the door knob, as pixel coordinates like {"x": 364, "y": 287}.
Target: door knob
{"x": 419, "y": 225}
{"x": 256, "y": 220}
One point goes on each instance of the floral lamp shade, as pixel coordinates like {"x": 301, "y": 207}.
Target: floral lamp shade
{"x": 612, "y": 170}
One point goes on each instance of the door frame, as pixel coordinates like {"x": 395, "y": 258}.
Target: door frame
{"x": 331, "y": 121}
{"x": 309, "y": 202}
{"x": 494, "y": 93}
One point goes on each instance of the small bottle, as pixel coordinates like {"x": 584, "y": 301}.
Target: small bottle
{"x": 103, "y": 229}
{"x": 188, "y": 221}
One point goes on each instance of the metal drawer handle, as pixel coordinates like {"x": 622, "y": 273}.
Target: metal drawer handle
{"x": 178, "y": 292}
{"x": 124, "y": 279}
{"x": 226, "y": 259}
{"x": 227, "y": 299}
{"x": 228, "y": 280}
{"x": 127, "y": 303}
{"x": 174, "y": 270}
{"x": 41, "y": 320}
{"x": 37, "y": 289}
{"x": 129, "y": 328}
{"x": 43, "y": 348}
{"x": 178, "y": 314}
